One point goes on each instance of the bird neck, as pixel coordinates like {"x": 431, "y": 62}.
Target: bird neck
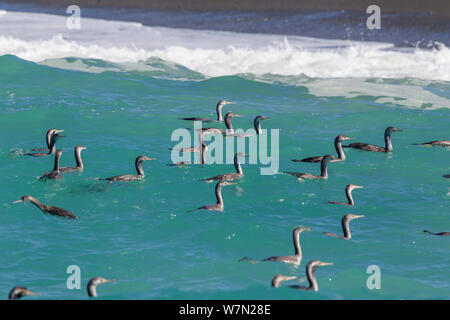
{"x": 257, "y": 125}
{"x": 92, "y": 290}
{"x": 388, "y": 143}
{"x": 56, "y": 163}
{"x": 139, "y": 169}
{"x": 311, "y": 278}
{"x": 38, "y": 204}
{"x": 339, "y": 150}
{"x": 297, "y": 247}
{"x": 237, "y": 165}
{"x": 219, "y": 112}
{"x": 228, "y": 124}
{"x": 323, "y": 168}
{"x": 78, "y": 159}
{"x": 202, "y": 155}
{"x": 348, "y": 193}
{"x": 219, "y": 194}
{"x": 48, "y": 139}
{"x": 52, "y": 147}
{"x": 346, "y": 228}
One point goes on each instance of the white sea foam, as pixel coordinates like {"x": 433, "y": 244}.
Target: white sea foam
{"x": 331, "y": 67}
{"x": 39, "y": 37}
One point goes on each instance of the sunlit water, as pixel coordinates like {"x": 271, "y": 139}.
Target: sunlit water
{"x": 141, "y": 234}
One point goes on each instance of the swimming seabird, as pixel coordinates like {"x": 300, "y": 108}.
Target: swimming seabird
{"x": 55, "y": 173}
{"x": 295, "y": 259}
{"x": 438, "y": 143}
{"x": 348, "y": 192}
{"x": 310, "y": 270}
{"x": 191, "y": 149}
{"x": 179, "y": 164}
{"x": 219, "y": 106}
{"x": 48, "y": 209}
{"x": 345, "y": 226}
{"x": 219, "y": 204}
{"x": 230, "y": 176}
{"x": 337, "y": 145}
{"x": 78, "y": 161}
{"x": 132, "y": 177}
{"x": 371, "y": 147}
{"x": 323, "y": 171}
{"x": 52, "y": 148}
{"x": 48, "y": 137}
{"x": 93, "y": 283}
{"x": 19, "y": 292}
{"x": 437, "y": 233}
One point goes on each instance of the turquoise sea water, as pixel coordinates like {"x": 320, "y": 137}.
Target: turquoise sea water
{"x": 140, "y": 233}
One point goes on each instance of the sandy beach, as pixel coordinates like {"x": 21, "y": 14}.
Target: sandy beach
{"x": 438, "y": 7}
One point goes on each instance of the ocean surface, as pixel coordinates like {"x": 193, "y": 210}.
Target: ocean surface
{"x": 118, "y": 88}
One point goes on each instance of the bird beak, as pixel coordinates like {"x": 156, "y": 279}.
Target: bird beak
{"x": 349, "y": 138}
{"x": 109, "y": 280}
{"x": 17, "y": 201}
{"x": 359, "y": 187}
{"x": 290, "y": 278}
{"x": 230, "y": 102}
{"x": 361, "y": 216}
{"x": 265, "y": 118}
{"x": 398, "y": 130}
{"x": 245, "y": 155}
{"x": 28, "y": 292}
{"x": 322, "y": 264}
{"x": 58, "y": 131}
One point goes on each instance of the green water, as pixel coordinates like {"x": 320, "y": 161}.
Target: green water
{"x": 140, "y": 233}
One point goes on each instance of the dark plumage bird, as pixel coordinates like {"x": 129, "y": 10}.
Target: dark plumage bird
{"x": 446, "y": 175}
{"x": 48, "y": 138}
{"x": 219, "y": 106}
{"x": 179, "y": 164}
{"x": 55, "y": 211}
{"x": 52, "y": 148}
{"x": 230, "y": 176}
{"x": 294, "y": 259}
{"x": 132, "y": 177}
{"x": 257, "y": 123}
{"x": 55, "y": 173}
{"x": 93, "y": 283}
{"x": 337, "y": 145}
{"x": 323, "y": 171}
{"x": 348, "y": 192}
{"x": 19, "y": 292}
{"x": 345, "y": 222}
{"x": 78, "y": 160}
{"x": 435, "y": 143}
{"x": 192, "y": 149}
{"x": 437, "y": 233}
{"x": 219, "y": 204}
{"x": 310, "y": 270}
{"x": 374, "y": 148}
